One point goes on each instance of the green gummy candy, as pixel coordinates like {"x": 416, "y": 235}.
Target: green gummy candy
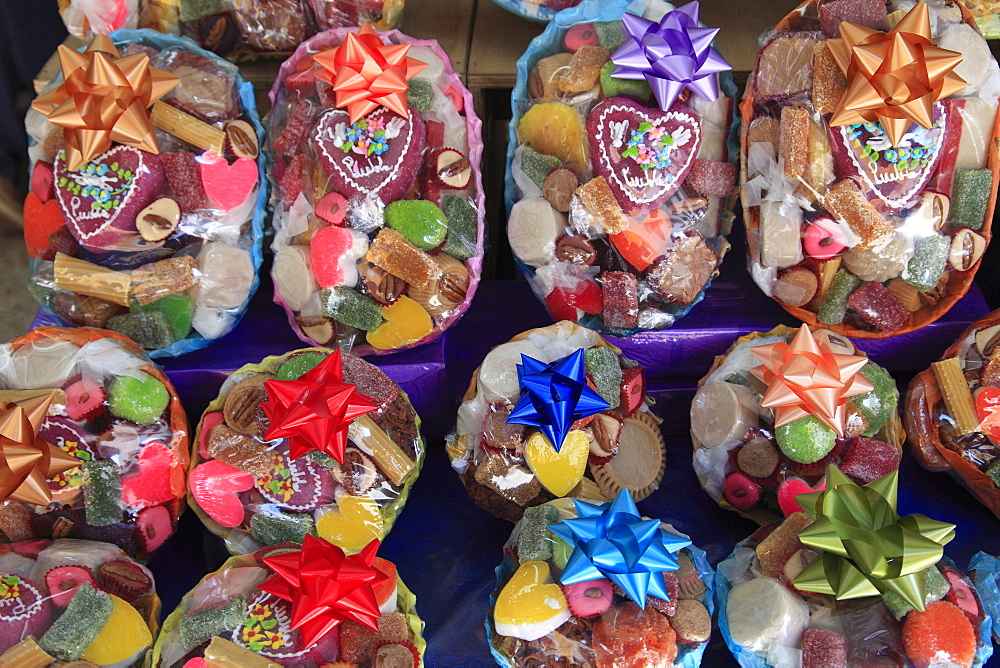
{"x": 834, "y": 306}
{"x": 149, "y": 329}
{"x": 279, "y": 526}
{"x": 805, "y": 440}
{"x": 561, "y": 552}
{"x": 993, "y": 472}
{"x": 877, "y": 405}
{"x": 420, "y": 94}
{"x": 192, "y": 10}
{"x": 970, "y": 196}
{"x": 202, "y": 625}
{"x": 537, "y": 166}
{"x": 322, "y": 459}
{"x": 603, "y": 367}
{"x": 298, "y": 365}
{"x": 139, "y": 400}
{"x": 87, "y": 613}
{"x": 936, "y": 586}
{"x": 352, "y": 308}
{"x": 534, "y": 543}
{"x": 462, "y": 227}
{"x": 611, "y": 86}
{"x": 609, "y": 34}
{"x": 102, "y": 493}
{"x": 924, "y": 269}
{"x": 422, "y": 223}
{"x": 178, "y": 310}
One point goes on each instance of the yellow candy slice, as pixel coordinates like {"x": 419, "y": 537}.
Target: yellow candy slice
{"x": 124, "y": 636}
{"x": 555, "y": 129}
{"x": 530, "y": 605}
{"x": 406, "y": 322}
{"x": 559, "y": 471}
{"x": 355, "y": 522}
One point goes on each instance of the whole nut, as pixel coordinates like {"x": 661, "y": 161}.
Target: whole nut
{"x": 319, "y": 329}
{"x": 241, "y": 140}
{"x": 158, "y": 220}
{"x": 966, "y": 249}
{"x": 447, "y": 291}
{"x": 240, "y": 409}
{"x": 62, "y": 527}
{"x": 358, "y": 473}
{"x": 383, "y": 287}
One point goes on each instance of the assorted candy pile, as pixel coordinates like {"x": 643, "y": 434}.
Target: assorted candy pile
{"x": 74, "y": 603}
{"x": 780, "y": 407}
{"x": 537, "y": 10}
{"x": 244, "y": 614}
{"x": 618, "y": 210}
{"x": 869, "y": 185}
{"x": 307, "y": 443}
{"x": 556, "y": 412}
{"x": 377, "y": 208}
{"x": 103, "y": 443}
{"x": 558, "y": 604}
{"x": 147, "y": 222}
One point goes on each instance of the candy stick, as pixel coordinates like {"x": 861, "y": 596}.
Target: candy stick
{"x": 222, "y": 653}
{"x": 955, "y": 390}
{"x": 86, "y": 278}
{"x": 827, "y": 272}
{"x": 907, "y": 295}
{"x": 390, "y": 458}
{"x": 188, "y": 128}
{"x": 26, "y": 654}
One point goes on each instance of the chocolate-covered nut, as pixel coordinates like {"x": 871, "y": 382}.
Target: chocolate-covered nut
{"x": 558, "y": 188}
{"x": 575, "y": 250}
{"x": 158, "y": 220}
{"x": 357, "y": 474}
{"x": 606, "y": 430}
{"x": 241, "y": 404}
{"x": 608, "y": 257}
{"x": 450, "y": 169}
{"x": 966, "y": 249}
{"x": 85, "y": 311}
{"x": 241, "y": 140}
{"x": 383, "y": 287}
{"x": 319, "y": 329}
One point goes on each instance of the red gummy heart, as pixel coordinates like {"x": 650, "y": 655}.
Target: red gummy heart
{"x": 215, "y": 485}
{"x": 208, "y": 423}
{"x": 644, "y": 154}
{"x": 790, "y": 489}
{"x": 326, "y": 248}
{"x": 43, "y": 181}
{"x": 987, "y": 401}
{"x": 41, "y": 221}
{"x": 562, "y": 303}
{"x": 227, "y": 185}
{"x": 158, "y": 480}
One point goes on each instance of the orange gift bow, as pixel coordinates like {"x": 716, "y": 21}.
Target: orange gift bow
{"x": 893, "y": 78}
{"x": 103, "y": 99}
{"x": 367, "y": 73}
{"x": 27, "y": 461}
{"x": 805, "y": 377}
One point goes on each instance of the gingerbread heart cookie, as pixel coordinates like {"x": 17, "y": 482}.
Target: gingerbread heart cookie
{"x": 295, "y": 484}
{"x": 267, "y": 630}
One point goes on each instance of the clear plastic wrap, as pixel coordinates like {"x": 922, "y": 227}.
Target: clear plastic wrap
{"x": 252, "y": 492}
{"x": 949, "y": 412}
{"x": 164, "y": 248}
{"x": 78, "y": 602}
{"x": 766, "y": 622}
{"x": 850, "y": 227}
{"x": 987, "y": 15}
{"x": 378, "y": 223}
{"x": 226, "y": 613}
{"x": 508, "y": 467}
{"x": 115, "y": 412}
{"x": 617, "y": 211}
{"x": 537, "y": 10}
{"x": 667, "y": 632}
{"x": 744, "y": 467}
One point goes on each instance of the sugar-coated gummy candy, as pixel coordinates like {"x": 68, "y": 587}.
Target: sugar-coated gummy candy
{"x": 603, "y": 368}
{"x": 805, "y": 440}
{"x": 993, "y": 472}
{"x": 869, "y": 13}
{"x": 87, "y": 613}
{"x": 537, "y": 165}
{"x": 534, "y": 543}
{"x": 422, "y": 223}
{"x": 183, "y": 174}
{"x": 177, "y": 310}
{"x": 834, "y": 306}
{"x": 621, "y": 303}
{"x": 392, "y": 252}
{"x": 123, "y": 636}
{"x": 715, "y": 178}
{"x": 794, "y": 141}
{"x": 868, "y": 459}
{"x": 600, "y": 200}
{"x": 610, "y": 34}
{"x": 878, "y": 405}
{"x": 822, "y": 648}
{"x": 280, "y": 526}
{"x": 781, "y": 543}
{"x": 297, "y": 365}
{"x": 583, "y": 70}
{"x": 878, "y": 307}
{"x": 930, "y": 254}
{"x": 141, "y": 400}
{"x": 102, "y": 491}
{"x": 612, "y": 86}
{"x": 555, "y": 129}
{"x": 420, "y": 94}
{"x": 939, "y": 634}
{"x": 846, "y": 202}
{"x": 970, "y": 197}
{"x": 561, "y": 552}
{"x": 149, "y": 329}
{"x": 352, "y": 308}
{"x": 935, "y": 588}
{"x": 198, "y": 627}
{"x": 829, "y": 82}
{"x": 462, "y": 220}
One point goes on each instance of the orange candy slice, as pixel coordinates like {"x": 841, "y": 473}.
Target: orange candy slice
{"x": 406, "y": 322}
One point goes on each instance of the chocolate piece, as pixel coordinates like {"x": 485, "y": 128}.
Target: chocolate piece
{"x": 380, "y": 285}
{"x": 158, "y": 220}
{"x": 575, "y": 250}
{"x": 241, "y": 139}
{"x": 558, "y": 188}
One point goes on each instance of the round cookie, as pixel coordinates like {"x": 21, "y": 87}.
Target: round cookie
{"x": 640, "y": 462}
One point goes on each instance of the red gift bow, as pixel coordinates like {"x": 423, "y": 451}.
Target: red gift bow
{"x": 103, "y": 99}
{"x": 367, "y": 73}
{"x": 325, "y": 586}
{"x": 26, "y": 461}
{"x": 805, "y": 377}
{"x": 315, "y": 411}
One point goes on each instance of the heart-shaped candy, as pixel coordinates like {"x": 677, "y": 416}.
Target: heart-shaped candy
{"x": 334, "y": 253}
{"x": 379, "y": 155}
{"x": 644, "y": 154}
{"x": 72, "y": 439}
{"x": 267, "y": 631}
{"x": 101, "y": 199}
{"x": 789, "y": 489}
{"x": 355, "y": 522}
{"x": 215, "y": 485}
{"x": 41, "y": 221}
{"x": 160, "y": 478}
{"x": 405, "y": 322}
{"x": 295, "y": 484}
{"x": 561, "y": 471}
{"x": 987, "y": 401}
{"x": 227, "y": 185}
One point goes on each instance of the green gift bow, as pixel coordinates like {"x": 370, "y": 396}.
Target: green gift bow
{"x": 867, "y": 548}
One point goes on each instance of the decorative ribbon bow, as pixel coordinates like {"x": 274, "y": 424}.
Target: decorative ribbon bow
{"x": 613, "y": 541}
{"x": 554, "y": 396}
{"x": 325, "y": 586}
{"x": 893, "y": 78}
{"x": 315, "y": 411}
{"x": 367, "y": 73}
{"x": 103, "y": 99}
{"x": 671, "y": 55}
{"x": 805, "y": 377}
{"x": 28, "y": 461}
{"x": 867, "y": 548}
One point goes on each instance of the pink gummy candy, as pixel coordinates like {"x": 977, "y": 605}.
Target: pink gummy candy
{"x": 869, "y": 13}
{"x": 157, "y": 481}
{"x": 214, "y": 486}
{"x": 184, "y": 178}
{"x": 581, "y": 35}
{"x": 289, "y": 141}
{"x": 197, "y": 662}
{"x": 879, "y": 307}
{"x": 227, "y": 185}
{"x": 868, "y": 459}
{"x": 153, "y": 526}
{"x": 326, "y": 248}
{"x": 43, "y": 181}
{"x": 332, "y": 208}
{"x": 711, "y": 177}
{"x": 208, "y": 423}
{"x": 789, "y": 491}
{"x": 621, "y": 305}
{"x": 589, "y": 599}
{"x": 84, "y": 399}
{"x": 291, "y": 181}
{"x": 822, "y": 648}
